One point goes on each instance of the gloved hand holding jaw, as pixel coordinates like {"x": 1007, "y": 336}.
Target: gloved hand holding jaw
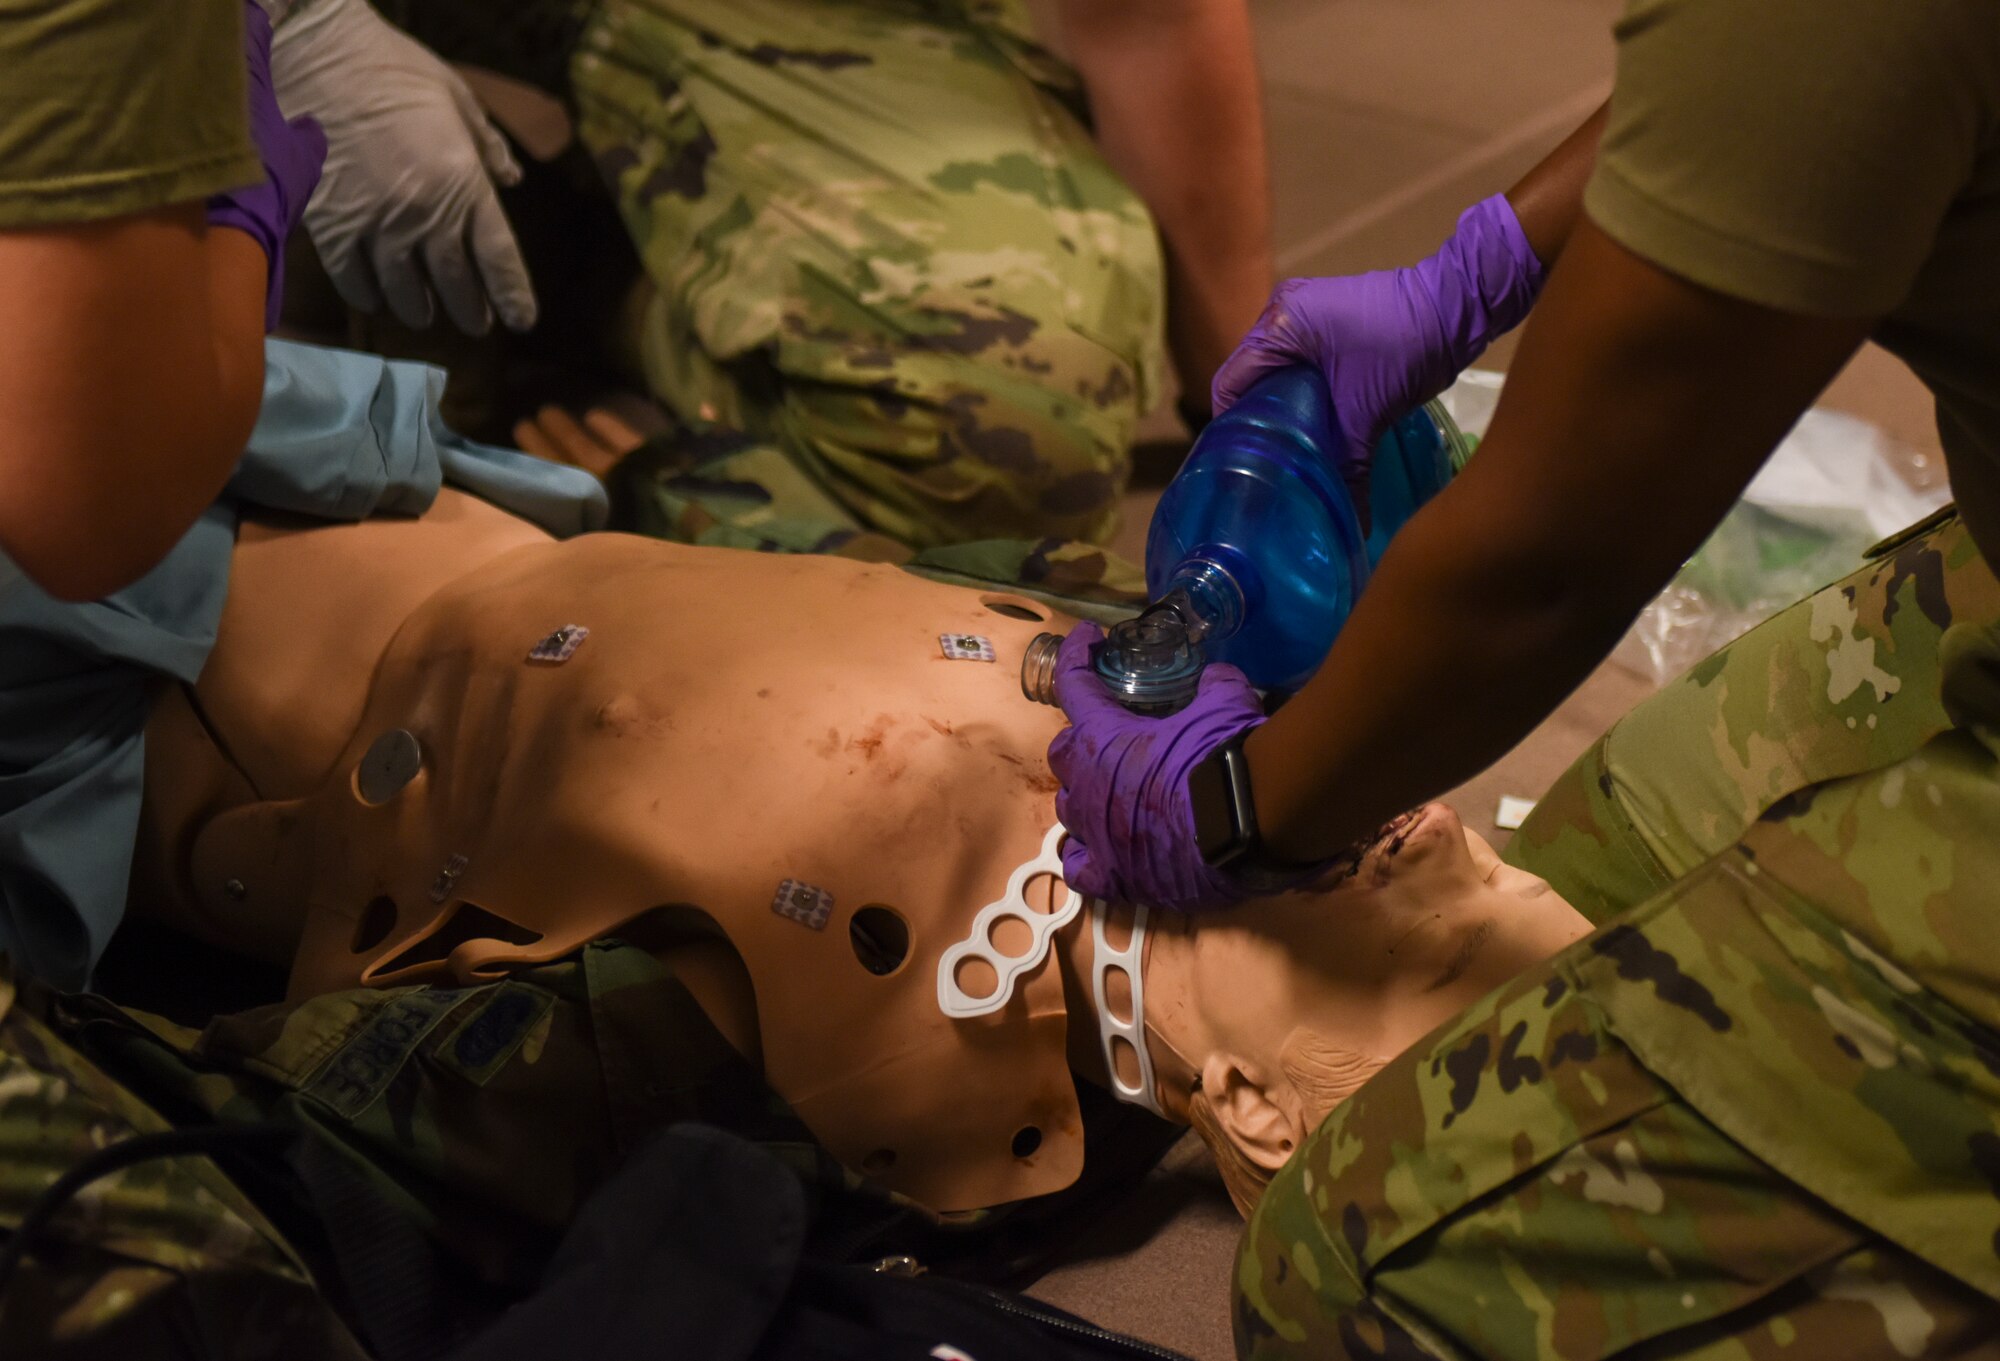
{"x": 1124, "y": 799}
{"x": 1392, "y": 340}
{"x": 292, "y": 151}
{"x": 408, "y": 206}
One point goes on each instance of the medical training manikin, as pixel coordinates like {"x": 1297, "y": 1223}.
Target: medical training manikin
{"x": 429, "y": 751}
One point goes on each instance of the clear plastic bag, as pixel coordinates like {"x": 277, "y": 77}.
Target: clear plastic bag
{"x": 1835, "y": 485}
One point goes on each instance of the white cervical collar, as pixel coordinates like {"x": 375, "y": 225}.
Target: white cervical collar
{"x": 956, "y": 1003}
{"x": 953, "y": 1000}
{"x": 1130, "y": 962}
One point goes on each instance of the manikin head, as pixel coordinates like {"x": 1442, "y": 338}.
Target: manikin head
{"x": 1261, "y": 1020}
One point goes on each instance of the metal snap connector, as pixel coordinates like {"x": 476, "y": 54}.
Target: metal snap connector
{"x": 966, "y": 647}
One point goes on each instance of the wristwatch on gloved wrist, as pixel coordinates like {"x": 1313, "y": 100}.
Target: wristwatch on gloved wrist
{"x": 1225, "y": 822}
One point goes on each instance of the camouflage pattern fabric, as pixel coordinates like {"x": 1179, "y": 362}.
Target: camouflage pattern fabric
{"x": 1843, "y": 682}
{"x": 883, "y": 248}
{"x": 486, "y": 1115}
{"x": 163, "y": 1259}
{"x": 1522, "y": 1184}
{"x": 728, "y": 491}
{"x": 1758, "y": 1113}
{"x": 482, "y": 1117}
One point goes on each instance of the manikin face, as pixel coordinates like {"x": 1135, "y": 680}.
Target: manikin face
{"x": 1424, "y": 906}
{"x": 1427, "y": 863}
{"x": 1284, "y": 1006}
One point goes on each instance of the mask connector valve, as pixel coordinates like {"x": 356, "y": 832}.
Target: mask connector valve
{"x": 1151, "y": 664}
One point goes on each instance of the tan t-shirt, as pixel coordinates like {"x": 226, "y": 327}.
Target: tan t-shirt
{"x": 109, "y": 107}
{"x": 1832, "y": 158}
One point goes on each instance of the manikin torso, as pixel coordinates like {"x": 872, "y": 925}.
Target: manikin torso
{"x": 705, "y": 768}
{"x": 770, "y": 771}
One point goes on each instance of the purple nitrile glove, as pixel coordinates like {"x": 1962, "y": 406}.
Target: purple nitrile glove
{"x": 1124, "y": 799}
{"x": 1391, "y": 340}
{"x": 293, "y": 153}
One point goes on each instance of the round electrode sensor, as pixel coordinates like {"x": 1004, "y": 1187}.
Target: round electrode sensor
{"x": 391, "y": 763}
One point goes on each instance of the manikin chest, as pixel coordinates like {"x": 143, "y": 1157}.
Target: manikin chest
{"x": 776, "y": 752}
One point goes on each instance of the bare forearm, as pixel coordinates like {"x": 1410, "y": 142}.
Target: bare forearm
{"x": 1175, "y": 100}
{"x": 1549, "y": 199}
{"x": 238, "y": 274}
{"x": 1460, "y": 645}
{"x": 130, "y": 378}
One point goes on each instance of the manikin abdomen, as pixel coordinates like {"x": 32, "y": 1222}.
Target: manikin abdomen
{"x": 780, "y": 743}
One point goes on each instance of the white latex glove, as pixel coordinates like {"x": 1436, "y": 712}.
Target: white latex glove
{"x": 406, "y": 203}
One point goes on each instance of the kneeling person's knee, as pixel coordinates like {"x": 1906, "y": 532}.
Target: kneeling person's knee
{"x": 1025, "y": 436}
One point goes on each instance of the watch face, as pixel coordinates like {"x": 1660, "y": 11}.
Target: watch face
{"x": 1213, "y": 801}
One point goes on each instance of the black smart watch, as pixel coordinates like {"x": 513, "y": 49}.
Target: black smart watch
{"x": 1225, "y": 820}
{"x": 1225, "y": 816}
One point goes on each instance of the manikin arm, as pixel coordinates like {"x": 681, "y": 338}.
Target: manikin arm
{"x": 1638, "y": 407}
{"x": 1174, "y": 96}
{"x": 130, "y": 373}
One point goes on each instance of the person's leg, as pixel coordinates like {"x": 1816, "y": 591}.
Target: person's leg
{"x": 722, "y": 489}
{"x": 458, "y": 1133}
{"x": 1843, "y": 682}
{"x": 879, "y": 245}
{"x": 1540, "y": 1194}
{"x": 1763, "y": 1106}
{"x": 487, "y": 1113}
{"x": 163, "y": 1260}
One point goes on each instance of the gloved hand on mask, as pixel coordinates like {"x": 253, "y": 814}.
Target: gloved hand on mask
{"x": 1391, "y": 340}
{"x": 407, "y": 210}
{"x": 1124, "y": 799}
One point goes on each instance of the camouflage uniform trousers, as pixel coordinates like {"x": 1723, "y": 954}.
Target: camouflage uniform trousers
{"x": 482, "y": 1117}
{"x": 1757, "y": 1113}
{"x": 726, "y": 491}
{"x": 884, "y": 252}
{"x": 161, "y": 1261}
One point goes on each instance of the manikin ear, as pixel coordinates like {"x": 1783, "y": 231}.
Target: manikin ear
{"x": 1260, "y": 1117}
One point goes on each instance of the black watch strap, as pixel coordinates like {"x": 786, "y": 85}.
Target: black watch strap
{"x": 1225, "y": 821}
{"x": 1225, "y": 817}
